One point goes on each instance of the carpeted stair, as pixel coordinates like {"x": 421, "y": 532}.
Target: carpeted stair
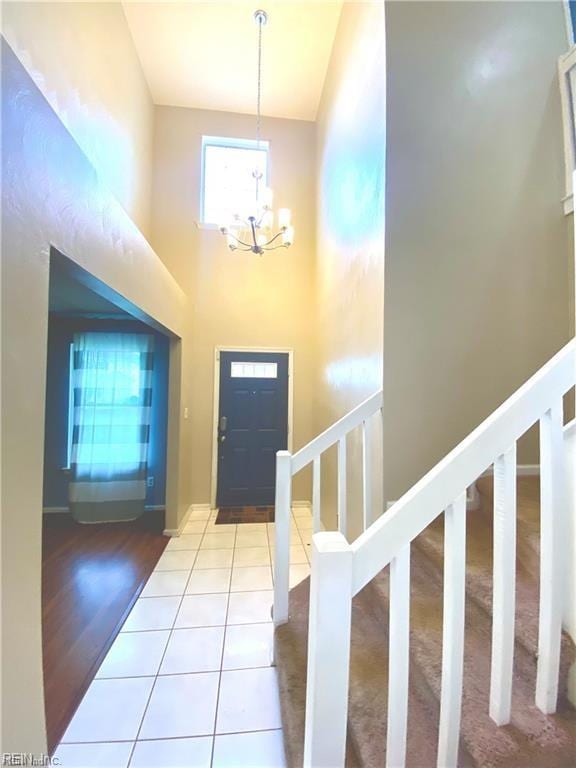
{"x": 531, "y": 740}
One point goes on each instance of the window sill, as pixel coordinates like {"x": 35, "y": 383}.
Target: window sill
{"x": 204, "y": 225}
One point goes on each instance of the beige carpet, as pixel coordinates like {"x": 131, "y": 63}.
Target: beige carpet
{"x": 531, "y": 740}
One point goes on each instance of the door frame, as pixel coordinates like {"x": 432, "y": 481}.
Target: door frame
{"x": 216, "y": 402}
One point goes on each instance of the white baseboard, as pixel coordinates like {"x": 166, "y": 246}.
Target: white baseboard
{"x": 63, "y": 510}
{"x": 522, "y": 470}
{"x": 302, "y": 504}
{"x": 185, "y": 518}
{"x": 472, "y": 500}
{"x": 528, "y": 469}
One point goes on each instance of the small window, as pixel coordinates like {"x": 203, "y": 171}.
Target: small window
{"x": 109, "y": 398}
{"x": 228, "y": 184}
{"x": 254, "y": 370}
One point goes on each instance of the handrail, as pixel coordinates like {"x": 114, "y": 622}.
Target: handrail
{"x": 416, "y": 509}
{"x": 340, "y": 570}
{"x": 339, "y": 429}
{"x": 288, "y": 465}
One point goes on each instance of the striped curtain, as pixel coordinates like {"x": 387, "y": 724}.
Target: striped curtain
{"x": 112, "y": 379}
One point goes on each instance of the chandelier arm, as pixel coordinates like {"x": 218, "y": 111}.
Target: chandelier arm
{"x": 241, "y": 242}
{"x": 246, "y": 245}
{"x": 276, "y": 236}
{"x": 275, "y": 247}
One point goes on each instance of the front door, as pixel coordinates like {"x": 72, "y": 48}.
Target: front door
{"x": 252, "y": 426}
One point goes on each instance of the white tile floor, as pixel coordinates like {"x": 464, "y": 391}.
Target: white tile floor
{"x": 188, "y": 681}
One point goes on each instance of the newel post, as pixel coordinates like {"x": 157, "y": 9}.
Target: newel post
{"x": 282, "y": 512}
{"x": 328, "y": 651}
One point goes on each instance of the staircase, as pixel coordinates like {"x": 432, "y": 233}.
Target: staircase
{"x": 426, "y": 642}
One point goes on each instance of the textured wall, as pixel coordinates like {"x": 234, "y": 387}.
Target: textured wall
{"x": 477, "y": 248}
{"x": 51, "y": 197}
{"x": 81, "y": 56}
{"x": 350, "y": 240}
{"x": 237, "y": 299}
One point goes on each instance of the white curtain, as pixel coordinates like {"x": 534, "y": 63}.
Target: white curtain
{"x": 112, "y": 381}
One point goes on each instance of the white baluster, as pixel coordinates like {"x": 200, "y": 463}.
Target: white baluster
{"x": 453, "y": 631}
{"x": 398, "y": 659}
{"x": 552, "y": 521}
{"x": 282, "y": 514}
{"x": 316, "y": 475}
{"x": 504, "y": 586}
{"x": 328, "y": 651}
{"x": 342, "y": 512}
{"x": 367, "y": 473}
{"x": 379, "y": 422}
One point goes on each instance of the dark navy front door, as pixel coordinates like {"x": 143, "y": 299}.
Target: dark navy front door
{"x": 252, "y": 426}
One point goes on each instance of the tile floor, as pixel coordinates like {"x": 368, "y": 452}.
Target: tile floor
{"x": 188, "y": 681}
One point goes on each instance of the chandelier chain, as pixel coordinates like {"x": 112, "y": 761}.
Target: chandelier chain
{"x": 259, "y": 83}
{"x": 253, "y": 234}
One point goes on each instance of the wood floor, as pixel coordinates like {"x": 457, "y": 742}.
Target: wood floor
{"x": 91, "y": 576}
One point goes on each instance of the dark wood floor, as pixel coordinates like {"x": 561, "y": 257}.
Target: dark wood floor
{"x": 91, "y": 576}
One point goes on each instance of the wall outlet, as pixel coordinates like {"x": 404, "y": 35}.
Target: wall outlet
{"x": 150, "y": 481}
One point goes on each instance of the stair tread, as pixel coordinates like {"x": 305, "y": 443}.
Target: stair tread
{"x": 479, "y": 526}
{"x": 531, "y": 740}
{"x": 367, "y": 708}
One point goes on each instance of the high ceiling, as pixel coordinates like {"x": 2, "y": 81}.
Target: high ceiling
{"x": 204, "y": 54}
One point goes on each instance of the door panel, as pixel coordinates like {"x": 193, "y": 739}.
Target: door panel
{"x": 254, "y": 402}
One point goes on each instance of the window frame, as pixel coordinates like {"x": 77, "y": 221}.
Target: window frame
{"x": 228, "y": 143}
{"x": 70, "y": 425}
{"x": 570, "y": 23}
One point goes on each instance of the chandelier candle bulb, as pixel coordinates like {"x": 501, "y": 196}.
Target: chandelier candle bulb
{"x": 288, "y": 236}
{"x": 267, "y": 197}
{"x": 284, "y": 217}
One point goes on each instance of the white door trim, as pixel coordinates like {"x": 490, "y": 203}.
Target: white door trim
{"x": 216, "y": 399}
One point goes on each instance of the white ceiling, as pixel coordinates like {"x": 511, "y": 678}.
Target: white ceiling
{"x": 204, "y": 54}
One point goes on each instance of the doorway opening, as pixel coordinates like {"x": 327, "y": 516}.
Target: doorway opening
{"x": 105, "y": 478}
{"x": 252, "y": 421}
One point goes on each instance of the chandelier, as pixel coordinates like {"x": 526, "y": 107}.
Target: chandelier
{"x": 255, "y": 232}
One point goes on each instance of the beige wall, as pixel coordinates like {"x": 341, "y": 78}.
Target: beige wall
{"x": 82, "y": 58}
{"x": 237, "y": 299}
{"x": 51, "y": 197}
{"x": 350, "y": 239}
{"x": 477, "y": 247}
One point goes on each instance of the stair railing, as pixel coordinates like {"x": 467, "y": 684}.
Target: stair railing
{"x": 340, "y": 570}
{"x": 288, "y": 465}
